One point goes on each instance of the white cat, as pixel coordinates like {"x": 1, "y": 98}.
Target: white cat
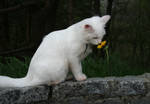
{"x": 59, "y": 52}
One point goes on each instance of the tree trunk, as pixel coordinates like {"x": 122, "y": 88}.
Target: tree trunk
{"x": 28, "y": 24}
{"x": 6, "y": 22}
{"x": 109, "y": 12}
{"x": 70, "y": 7}
{"x": 96, "y": 7}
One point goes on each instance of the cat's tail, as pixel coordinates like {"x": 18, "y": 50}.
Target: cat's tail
{"x": 14, "y": 82}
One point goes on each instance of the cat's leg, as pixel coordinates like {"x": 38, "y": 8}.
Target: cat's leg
{"x": 76, "y": 68}
{"x": 69, "y": 77}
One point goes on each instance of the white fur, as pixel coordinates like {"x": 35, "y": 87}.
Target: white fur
{"x": 60, "y": 51}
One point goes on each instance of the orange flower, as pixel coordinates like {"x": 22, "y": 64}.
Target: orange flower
{"x": 103, "y": 43}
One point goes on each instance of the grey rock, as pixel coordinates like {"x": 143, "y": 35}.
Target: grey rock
{"x": 109, "y": 90}
{"x": 24, "y": 95}
{"x": 145, "y": 100}
{"x": 102, "y": 87}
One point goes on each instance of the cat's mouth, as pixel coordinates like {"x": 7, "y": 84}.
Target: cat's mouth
{"x": 95, "y": 38}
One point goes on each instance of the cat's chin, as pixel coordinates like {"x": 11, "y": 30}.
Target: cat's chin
{"x": 95, "y": 41}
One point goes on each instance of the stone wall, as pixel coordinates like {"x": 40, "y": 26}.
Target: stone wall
{"x": 109, "y": 90}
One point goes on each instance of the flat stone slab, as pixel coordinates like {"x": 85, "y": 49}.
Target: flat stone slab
{"x": 109, "y": 90}
{"x": 24, "y": 95}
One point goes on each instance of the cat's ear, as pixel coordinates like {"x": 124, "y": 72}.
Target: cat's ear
{"x": 105, "y": 19}
{"x": 88, "y": 27}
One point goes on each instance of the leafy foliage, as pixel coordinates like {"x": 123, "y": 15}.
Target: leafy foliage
{"x": 13, "y": 67}
{"x": 100, "y": 67}
{"x": 93, "y": 66}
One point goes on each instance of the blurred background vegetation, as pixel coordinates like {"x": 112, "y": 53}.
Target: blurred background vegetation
{"x": 23, "y": 24}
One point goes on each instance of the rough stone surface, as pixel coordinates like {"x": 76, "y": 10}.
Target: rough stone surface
{"x": 24, "y": 95}
{"x": 100, "y": 90}
{"x": 109, "y": 90}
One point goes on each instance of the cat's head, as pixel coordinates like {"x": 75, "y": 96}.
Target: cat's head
{"x": 94, "y": 29}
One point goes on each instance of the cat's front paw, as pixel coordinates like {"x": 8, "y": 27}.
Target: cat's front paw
{"x": 81, "y": 77}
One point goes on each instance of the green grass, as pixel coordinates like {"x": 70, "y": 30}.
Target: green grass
{"x": 101, "y": 67}
{"x": 13, "y": 67}
{"x": 93, "y": 66}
